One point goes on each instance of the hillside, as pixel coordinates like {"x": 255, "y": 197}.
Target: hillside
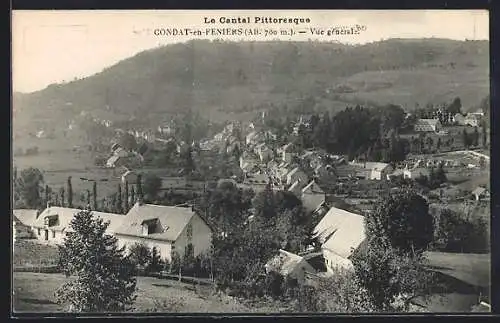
{"x": 227, "y": 80}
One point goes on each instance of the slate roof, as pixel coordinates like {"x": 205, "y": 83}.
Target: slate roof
{"x": 65, "y": 215}
{"x": 173, "y": 217}
{"x": 340, "y": 231}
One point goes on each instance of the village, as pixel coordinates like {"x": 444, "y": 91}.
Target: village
{"x": 167, "y": 192}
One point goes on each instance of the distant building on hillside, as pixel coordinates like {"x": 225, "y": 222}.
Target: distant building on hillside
{"x": 427, "y": 125}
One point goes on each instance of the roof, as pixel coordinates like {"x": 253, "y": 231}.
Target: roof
{"x": 113, "y": 159}
{"x": 293, "y": 171}
{"x": 473, "y": 269}
{"x": 65, "y": 215}
{"x": 173, "y": 217}
{"x": 340, "y": 231}
{"x": 295, "y": 187}
{"x": 371, "y": 165}
{"x": 312, "y": 188}
{"x": 479, "y": 190}
{"x": 285, "y": 262}
{"x": 24, "y": 216}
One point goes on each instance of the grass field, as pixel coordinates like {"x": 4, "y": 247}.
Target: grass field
{"x": 33, "y": 292}
{"x": 31, "y": 253}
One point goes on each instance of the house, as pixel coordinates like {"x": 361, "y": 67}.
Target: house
{"x": 22, "y": 221}
{"x": 379, "y": 171}
{"x": 286, "y": 152}
{"x": 296, "y": 175}
{"x": 166, "y": 228}
{"x": 471, "y": 120}
{"x": 395, "y": 174}
{"x": 265, "y": 153}
{"x": 373, "y": 170}
{"x": 480, "y": 192}
{"x": 290, "y": 265}
{"x": 51, "y": 225}
{"x": 478, "y": 112}
{"x": 340, "y": 233}
{"x": 427, "y": 125}
{"x": 313, "y": 197}
{"x": 252, "y": 138}
{"x": 415, "y": 172}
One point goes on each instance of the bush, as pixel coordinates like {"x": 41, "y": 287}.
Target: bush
{"x": 458, "y": 233}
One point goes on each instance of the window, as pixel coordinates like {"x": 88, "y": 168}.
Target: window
{"x": 38, "y": 231}
{"x": 53, "y": 233}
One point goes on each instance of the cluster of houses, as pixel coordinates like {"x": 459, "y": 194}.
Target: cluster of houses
{"x": 122, "y": 157}
{"x": 435, "y": 124}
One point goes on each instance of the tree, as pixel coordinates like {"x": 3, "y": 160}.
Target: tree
{"x": 126, "y": 198}
{"x": 466, "y": 139}
{"x": 140, "y": 194}
{"x": 139, "y": 255}
{"x": 484, "y": 131}
{"x": 403, "y": 220}
{"x": 94, "y": 194}
{"x": 342, "y": 292}
{"x": 391, "y": 278}
{"x": 128, "y": 142}
{"x": 70, "y": 193}
{"x": 152, "y": 186}
{"x": 119, "y": 204}
{"x": 455, "y": 107}
{"x": 475, "y": 137}
{"x": 61, "y": 191}
{"x": 27, "y": 188}
{"x": 47, "y": 194}
{"x": 132, "y": 195}
{"x": 104, "y": 278}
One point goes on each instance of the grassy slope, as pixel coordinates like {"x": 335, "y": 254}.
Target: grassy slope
{"x": 34, "y": 293}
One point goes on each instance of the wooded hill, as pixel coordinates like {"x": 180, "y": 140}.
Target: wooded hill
{"x": 229, "y": 80}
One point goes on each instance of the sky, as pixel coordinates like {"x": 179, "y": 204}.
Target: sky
{"x": 57, "y": 46}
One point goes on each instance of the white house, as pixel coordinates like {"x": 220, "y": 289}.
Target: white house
{"x": 289, "y": 265}
{"x": 480, "y": 192}
{"x": 373, "y": 170}
{"x": 340, "y": 233}
{"x": 52, "y": 224}
{"x": 167, "y": 228}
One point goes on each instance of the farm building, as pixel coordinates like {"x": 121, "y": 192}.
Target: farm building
{"x": 427, "y": 125}
{"x": 167, "y": 228}
{"x": 340, "y": 233}
{"x": 52, "y": 224}
{"x": 289, "y": 265}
